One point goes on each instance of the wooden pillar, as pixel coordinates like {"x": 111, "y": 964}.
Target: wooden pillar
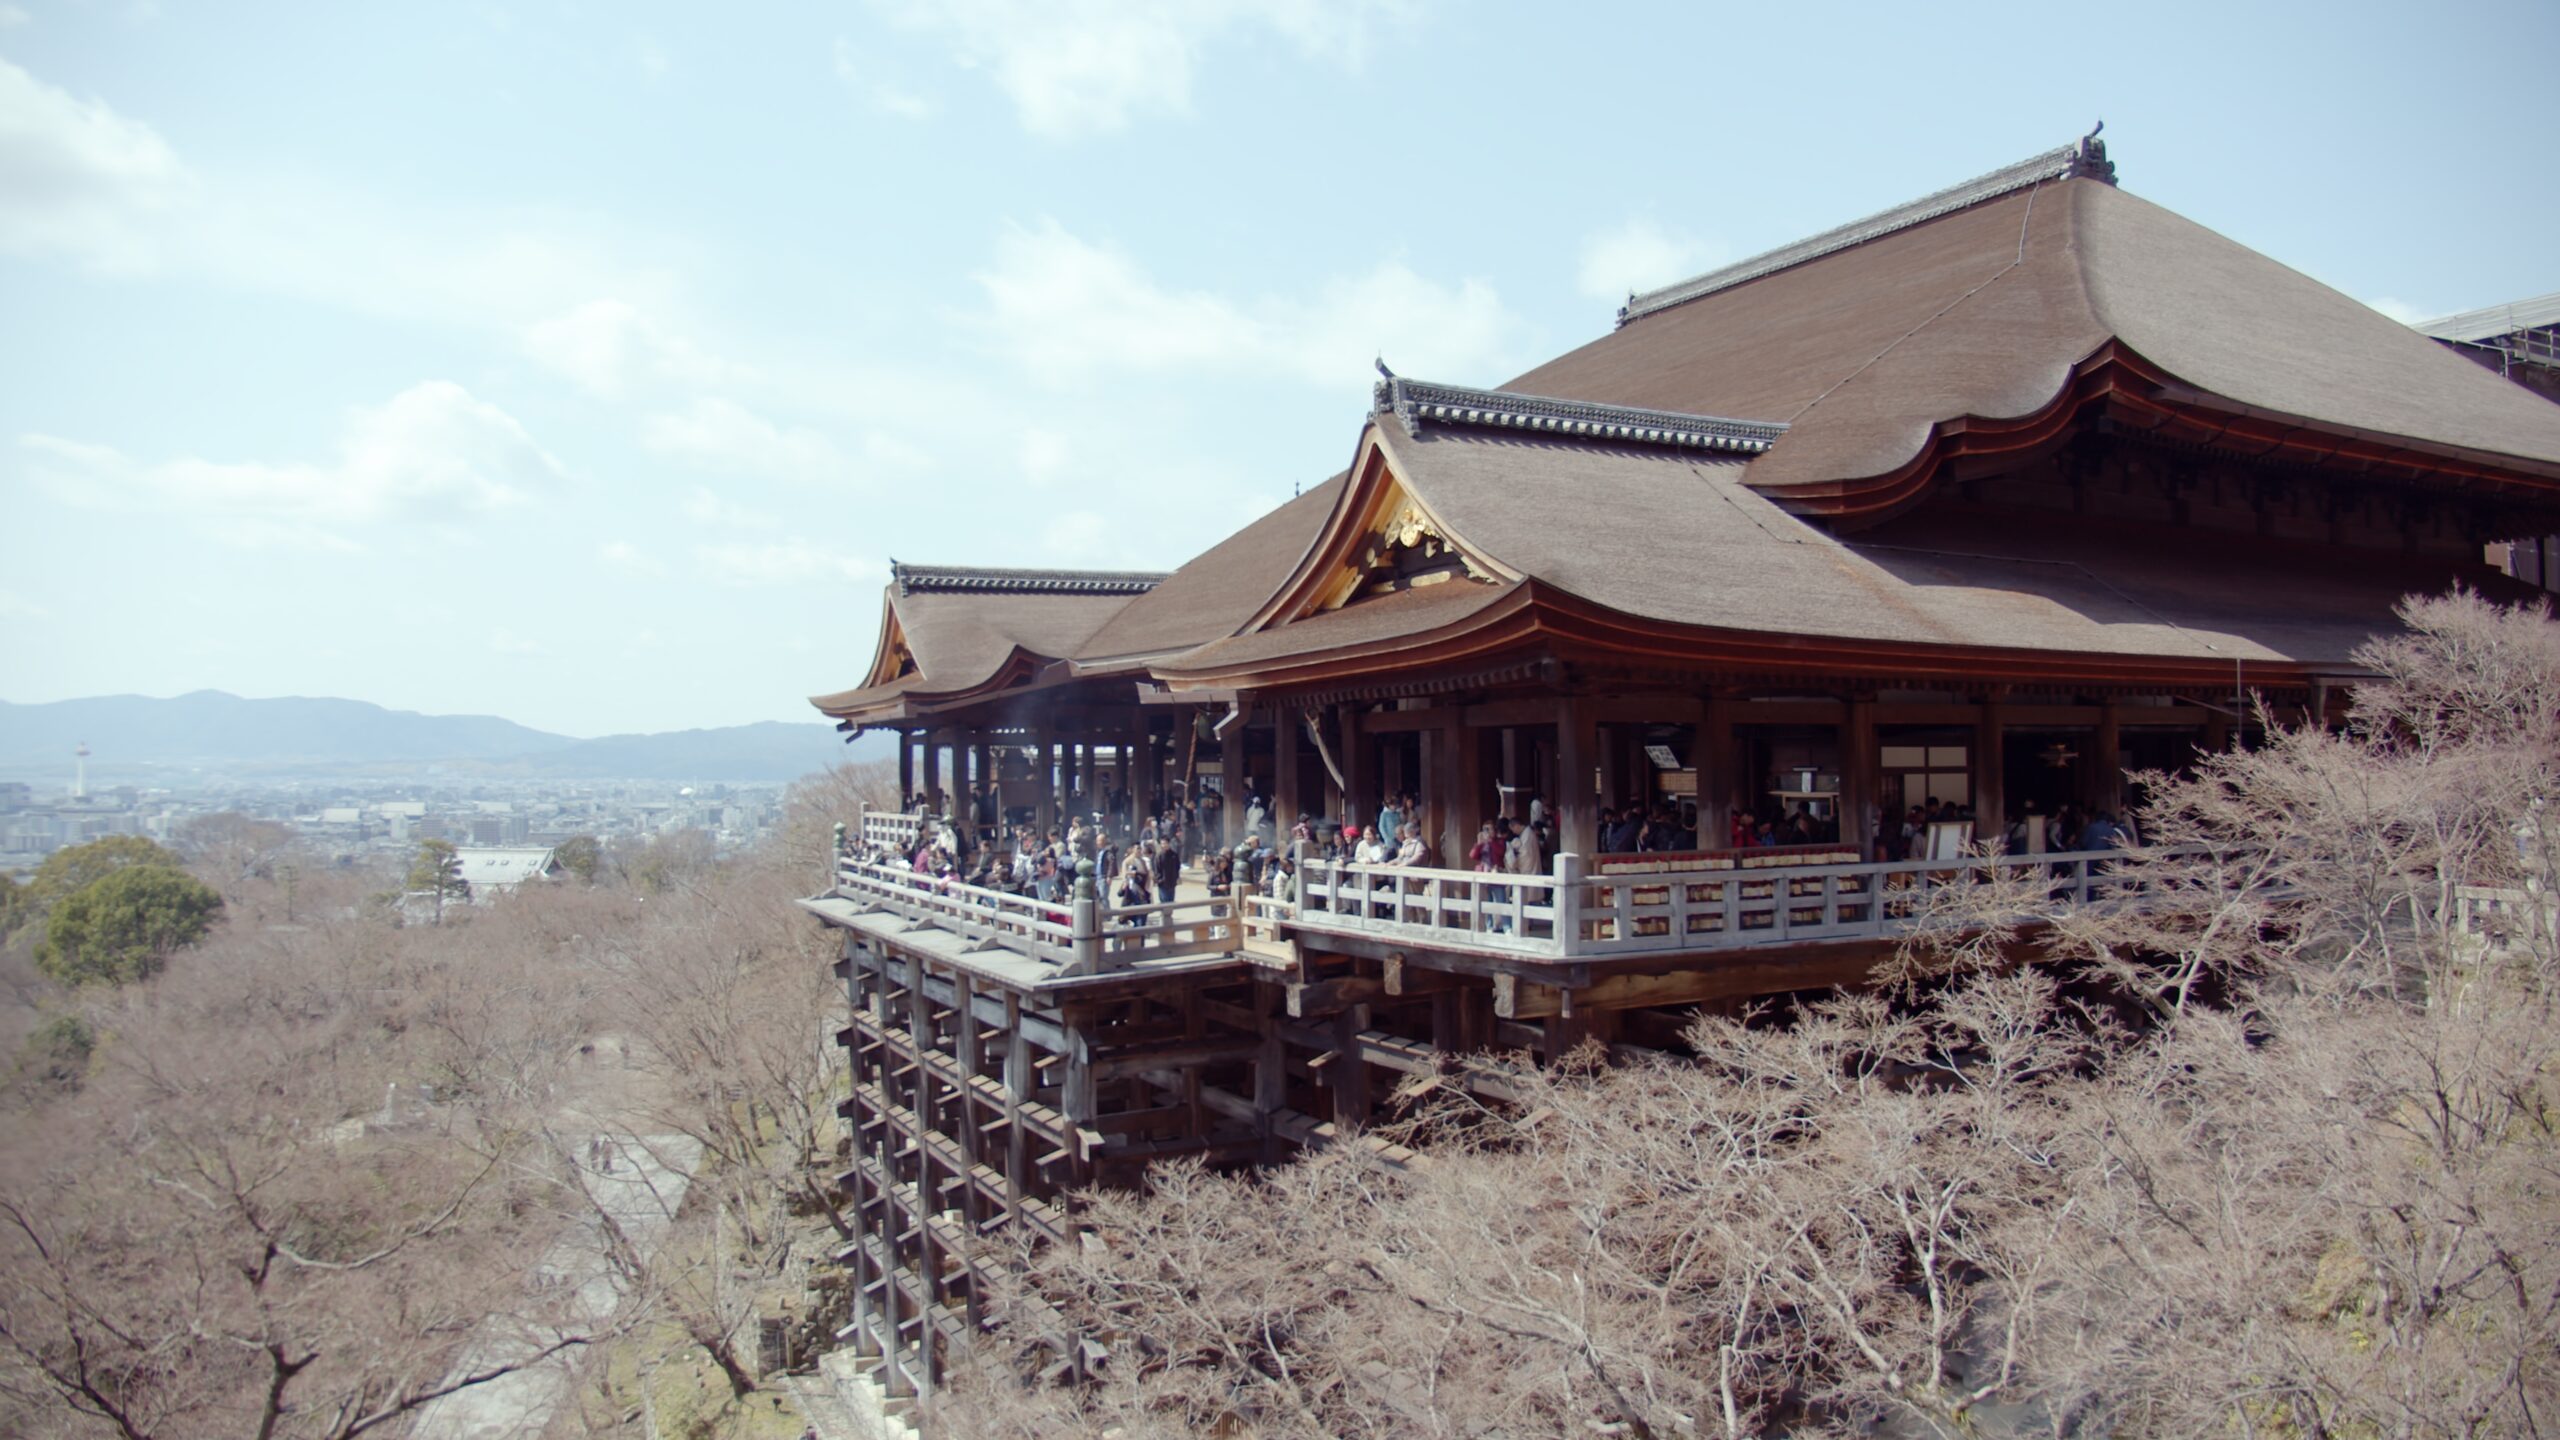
{"x": 964, "y": 1020}
{"x": 1019, "y": 1081}
{"x": 1270, "y": 1071}
{"x": 1858, "y": 776}
{"x": 1360, "y": 797}
{"x": 1076, "y": 1098}
{"x": 935, "y": 744}
{"x": 1349, "y": 1074}
{"x": 1142, "y": 756}
{"x": 1044, "y": 771}
{"x": 1285, "y": 802}
{"x": 1231, "y": 777}
{"x": 1458, "y": 778}
{"x": 1512, "y": 781}
{"x": 1608, "y": 741}
{"x": 906, "y": 768}
{"x": 1711, "y": 753}
{"x": 1333, "y": 796}
{"x": 1990, "y": 808}
{"x": 1124, "y": 764}
{"x": 2109, "y": 761}
{"x": 1577, "y": 739}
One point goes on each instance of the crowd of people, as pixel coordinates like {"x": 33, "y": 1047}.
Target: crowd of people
{"x": 1142, "y": 862}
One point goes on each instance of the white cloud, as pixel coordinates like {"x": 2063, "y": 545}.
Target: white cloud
{"x": 508, "y": 642}
{"x": 1638, "y": 256}
{"x": 11, "y": 17}
{"x": 609, "y": 346}
{"x": 1043, "y": 456}
{"x": 1081, "y": 536}
{"x": 2401, "y": 310}
{"x": 18, "y": 607}
{"x": 880, "y": 95}
{"x": 427, "y": 453}
{"x": 81, "y": 180}
{"x": 705, "y": 508}
{"x": 631, "y": 559}
{"x": 1079, "y": 67}
{"x": 784, "y": 562}
{"x": 1068, "y": 310}
{"x": 727, "y": 436}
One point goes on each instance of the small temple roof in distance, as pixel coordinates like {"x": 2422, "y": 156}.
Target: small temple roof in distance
{"x": 1984, "y": 301}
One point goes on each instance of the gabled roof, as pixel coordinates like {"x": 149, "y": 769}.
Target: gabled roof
{"x": 2086, "y": 156}
{"x": 1632, "y": 546}
{"x": 498, "y": 867}
{"x": 1994, "y": 305}
{"x": 951, "y": 632}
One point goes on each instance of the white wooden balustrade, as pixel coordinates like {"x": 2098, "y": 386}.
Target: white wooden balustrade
{"x": 1569, "y": 915}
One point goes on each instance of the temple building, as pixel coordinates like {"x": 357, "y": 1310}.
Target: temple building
{"x": 1972, "y": 508}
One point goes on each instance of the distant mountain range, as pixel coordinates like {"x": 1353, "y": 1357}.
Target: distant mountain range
{"x": 132, "y": 735}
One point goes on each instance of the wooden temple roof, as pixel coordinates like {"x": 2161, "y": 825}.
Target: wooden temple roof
{"x": 1214, "y": 594}
{"x": 1650, "y": 548}
{"x": 1735, "y": 477}
{"x": 1992, "y": 309}
{"x": 955, "y": 633}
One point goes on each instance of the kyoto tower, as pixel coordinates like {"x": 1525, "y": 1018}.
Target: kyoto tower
{"x": 80, "y": 771}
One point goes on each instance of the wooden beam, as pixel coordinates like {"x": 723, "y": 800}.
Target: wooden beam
{"x": 1324, "y": 997}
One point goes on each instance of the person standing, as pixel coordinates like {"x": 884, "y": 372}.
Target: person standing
{"x": 1168, "y": 871}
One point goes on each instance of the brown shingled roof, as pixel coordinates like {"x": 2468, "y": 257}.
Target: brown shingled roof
{"x": 964, "y": 636}
{"x": 1684, "y": 541}
{"x": 1986, "y": 312}
{"x": 1664, "y": 538}
{"x": 1217, "y": 591}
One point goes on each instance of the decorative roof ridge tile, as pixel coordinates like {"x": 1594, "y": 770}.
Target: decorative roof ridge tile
{"x": 2085, "y": 157}
{"x": 1420, "y": 402}
{"x": 987, "y": 579}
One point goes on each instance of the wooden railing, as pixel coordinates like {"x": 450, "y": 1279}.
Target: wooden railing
{"x": 1484, "y": 911}
{"x": 1078, "y": 936}
{"x": 1568, "y": 915}
{"x": 1160, "y": 931}
{"x": 991, "y": 919}
{"x": 1576, "y": 915}
{"x": 2500, "y": 918}
{"x": 888, "y": 831}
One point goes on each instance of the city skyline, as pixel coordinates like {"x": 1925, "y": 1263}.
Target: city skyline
{"x": 588, "y": 370}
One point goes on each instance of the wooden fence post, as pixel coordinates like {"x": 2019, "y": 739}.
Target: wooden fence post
{"x": 1085, "y": 932}
{"x": 1568, "y": 901}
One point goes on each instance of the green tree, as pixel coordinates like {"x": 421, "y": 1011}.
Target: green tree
{"x": 66, "y": 872}
{"x": 580, "y": 855}
{"x": 123, "y": 926}
{"x": 438, "y": 869}
{"x": 14, "y": 906}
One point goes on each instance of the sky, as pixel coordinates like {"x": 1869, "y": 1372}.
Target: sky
{"x": 587, "y": 363}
